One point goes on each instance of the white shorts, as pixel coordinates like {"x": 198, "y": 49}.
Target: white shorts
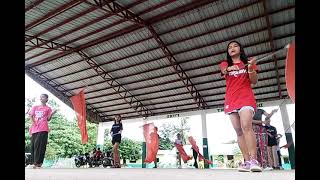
{"x": 241, "y": 109}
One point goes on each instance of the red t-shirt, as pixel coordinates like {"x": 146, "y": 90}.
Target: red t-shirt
{"x": 238, "y": 91}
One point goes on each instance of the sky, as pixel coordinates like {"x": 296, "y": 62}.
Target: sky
{"x": 34, "y": 90}
{"x": 219, "y": 128}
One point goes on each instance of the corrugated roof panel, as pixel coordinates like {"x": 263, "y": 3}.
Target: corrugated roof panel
{"x": 79, "y": 76}
{"x": 168, "y": 100}
{"x": 180, "y": 108}
{"x": 104, "y": 33}
{"x": 135, "y": 72}
{"x": 286, "y": 29}
{"x": 36, "y": 51}
{"x": 159, "y": 65}
{"x": 104, "y": 98}
{"x": 215, "y": 103}
{"x": 267, "y": 74}
{"x": 158, "y": 73}
{"x": 158, "y": 87}
{"x": 211, "y": 50}
{"x": 121, "y": 111}
{"x": 283, "y": 16}
{"x": 58, "y": 62}
{"x": 119, "y": 41}
{"x": 43, "y": 8}
{"x": 138, "y": 9}
{"x": 214, "y": 97}
{"x": 181, "y": 90}
{"x": 62, "y": 17}
{"x": 161, "y": 10}
{"x": 69, "y": 69}
{"x": 124, "y": 3}
{"x": 114, "y": 107}
{"x": 275, "y": 4}
{"x": 88, "y": 29}
{"x": 98, "y": 94}
{"x": 39, "y": 58}
{"x": 213, "y": 92}
{"x": 199, "y": 71}
{"x": 204, "y": 61}
{"x": 123, "y": 58}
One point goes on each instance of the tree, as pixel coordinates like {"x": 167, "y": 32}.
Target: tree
{"x": 168, "y": 132}
{"x": 129, "y": 149}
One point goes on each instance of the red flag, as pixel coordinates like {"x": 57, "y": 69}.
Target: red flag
{"x": 290, "y": 71}
{"x": 183, "y": 153}
{"x": 152, "y": 142}
{"x": 79, "y": 106}
{"x": 196, "y": 148}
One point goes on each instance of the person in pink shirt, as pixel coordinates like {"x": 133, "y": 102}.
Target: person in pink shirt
{"x": 40, "y": 116}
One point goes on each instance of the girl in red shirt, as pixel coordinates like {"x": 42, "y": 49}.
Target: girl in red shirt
{"x": 240, "y": 103}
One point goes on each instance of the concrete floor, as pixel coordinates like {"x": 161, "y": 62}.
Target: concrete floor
{"x": 154, "y": 174}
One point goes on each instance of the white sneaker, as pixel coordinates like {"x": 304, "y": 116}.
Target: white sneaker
{"x": 268, "y": 169}
{"x": 255, "y": 166}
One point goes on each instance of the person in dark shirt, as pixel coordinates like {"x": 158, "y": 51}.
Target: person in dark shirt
{"x": 115, "y": 132}
{"x": 261, "y": 136}
{"x": 195, "y": 156}
{"x": 272, "y": 146}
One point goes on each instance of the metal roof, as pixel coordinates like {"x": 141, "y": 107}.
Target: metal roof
{"x": 148, "y": 57}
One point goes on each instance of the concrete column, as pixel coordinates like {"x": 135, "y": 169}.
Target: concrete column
{"x": 288, "y": 134}
{"x": 204, "y": 137}
{"x": 100, "y": 138}
{"x": 144, "y": 146}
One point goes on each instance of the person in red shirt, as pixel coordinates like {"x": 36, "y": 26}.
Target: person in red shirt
{"x": 240, "y": 104}
{"x": 98, "y": 154}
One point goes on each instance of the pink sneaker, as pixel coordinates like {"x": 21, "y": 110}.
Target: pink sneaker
{"x": 244, "y": 167}
{"x": 255, "y": 166}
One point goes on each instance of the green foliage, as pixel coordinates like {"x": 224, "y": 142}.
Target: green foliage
{"x": 168, "y": 132}
{"x": 129, "y": 149}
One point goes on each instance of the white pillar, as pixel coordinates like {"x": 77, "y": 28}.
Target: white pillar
{"x": 204, "y": 137}
{"x": 287, "y": 129}
{"x": 101, "y": 135}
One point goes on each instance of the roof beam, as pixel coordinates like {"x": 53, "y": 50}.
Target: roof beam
{"x": 195, "y": 109}
{"x": 54, "y": 13}
{"x": 121, "y": 32}
{"x": 133, "y": 102}
{"x": 174, "y": 88}
{"x": 32, "y": 5}
{"x": 63, "y": 23}
{"x": 172, "y": 81}
{"x": 185, "y": 99}
{"x": 83, "y": 26}
{"x": 42, "y": 43}
{"x": 92, "y": 113}
{"x": 175, "y": 29}
{"x": 124, "y": 13}
{"x": 162, "y": 67}
{"x": 156, "y": 59}
{"x": 210, "y": 44}
{"x": 272, "y": 44}
{"x": 113, "y": 24}
{"x": 156, "y": 77}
